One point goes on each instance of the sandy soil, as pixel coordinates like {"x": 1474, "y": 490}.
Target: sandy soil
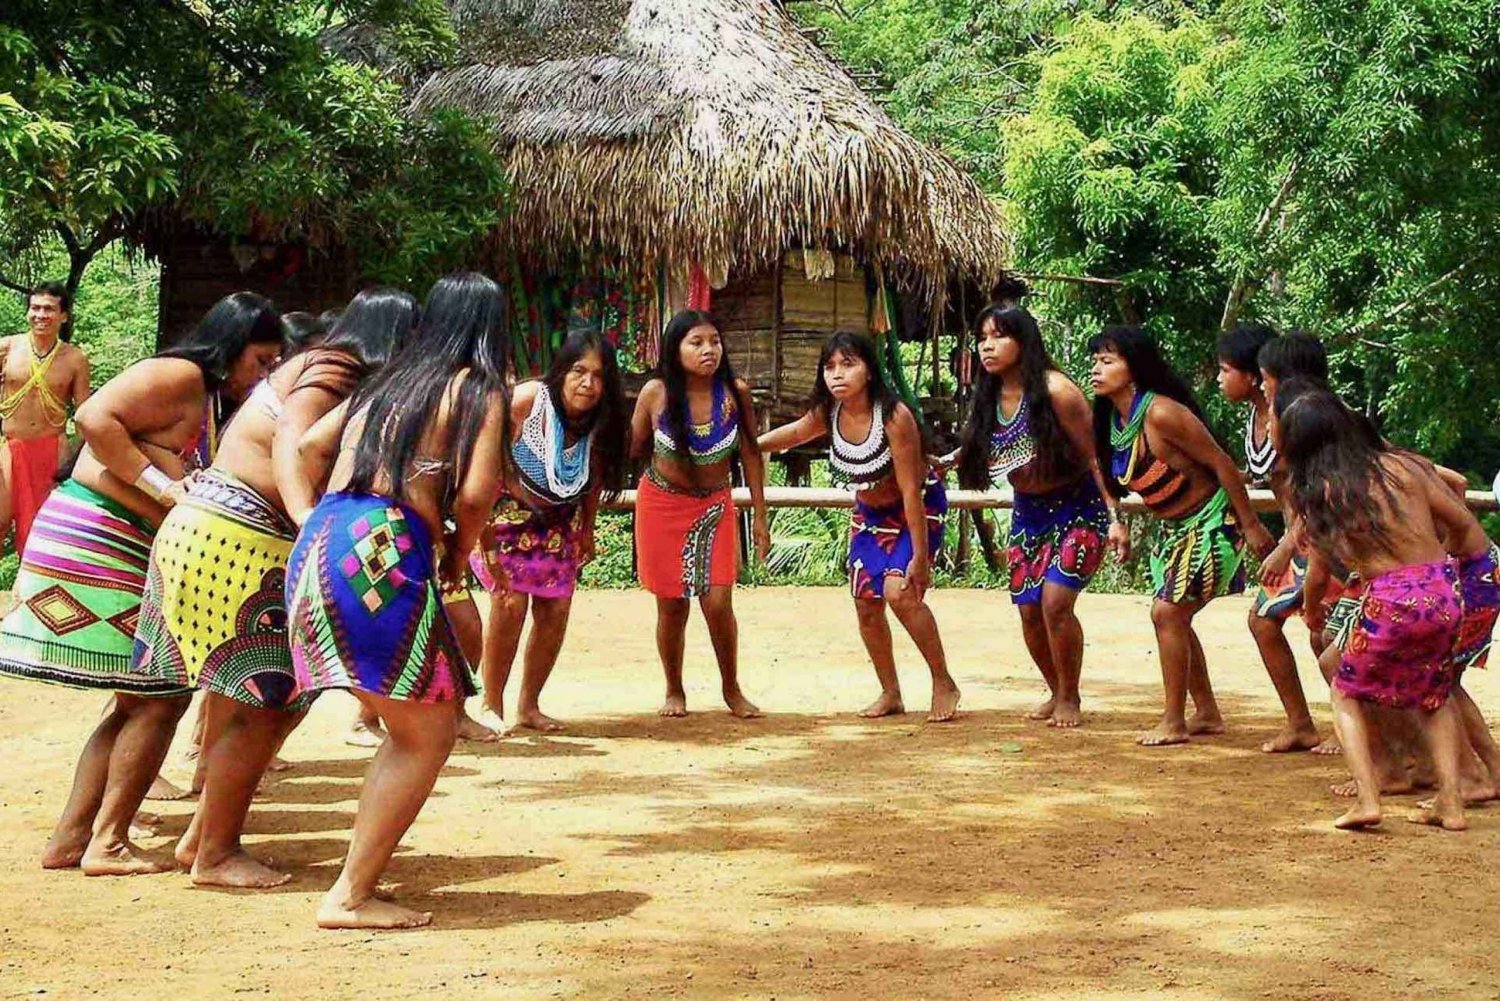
{"x": 808, "y": 854}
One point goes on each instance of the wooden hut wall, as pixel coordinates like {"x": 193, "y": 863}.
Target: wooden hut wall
{"x": 197, "y": 271}
{"x": 811, "y": 310}
{"x": 746, "y": 307}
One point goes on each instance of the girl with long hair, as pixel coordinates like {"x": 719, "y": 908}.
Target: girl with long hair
{"x": 875, "y": 450}
{"x": 568, "y": 449}
{"x": 85, "y": 566}
{"x": 1029, "y": 429}
{"x": 420, "y": 444}
{"x": 213, "y": 616}
{"x": 693, "y": 418}
{"x": 1384, "y": 514}
{"x": 1147, "y": 421}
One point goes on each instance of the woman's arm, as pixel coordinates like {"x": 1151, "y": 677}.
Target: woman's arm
{"x": 911, "y": 473}
{"x": 305, "y": 404}
{"x": 643, "y": 421}
{"x": 755, "y": 472}
{"x": 1177, "y": 426}
{"x": 475, "y": 496}
{"x": 317, "y": 449}
{"x": 1076, "y": 419}
{"x": 809, "y": 427}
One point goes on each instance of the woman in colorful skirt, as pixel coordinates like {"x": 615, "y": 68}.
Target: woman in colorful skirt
{"x": 1384, "y": 513}
{"x": 1030, "y": 430}
{"x": 213, "y": 615}
{"x": 79, "y": 588}
{"x": 568, "y": 446}
{"x": 420, "y": 443}
{"x": 693, "y": 419}
{"x": 875, "y": 449}
{"x": 1146, "y": 420}
{"x": 1283, "y": 573}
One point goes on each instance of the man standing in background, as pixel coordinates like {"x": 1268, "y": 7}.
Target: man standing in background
{"x": 40, "y": 376}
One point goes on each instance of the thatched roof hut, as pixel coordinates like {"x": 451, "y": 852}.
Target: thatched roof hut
{"x": 703, "y": 129}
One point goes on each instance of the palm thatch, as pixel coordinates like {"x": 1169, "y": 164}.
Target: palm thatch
{"x": 702, "y": 129}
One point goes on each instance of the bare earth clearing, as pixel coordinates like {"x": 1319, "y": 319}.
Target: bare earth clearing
{"x": 806, "y": 854}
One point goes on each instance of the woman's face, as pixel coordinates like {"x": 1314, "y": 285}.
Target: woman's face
{"x": 701, "y": 350}
{"x": 1237, "y": 385}
{"x": 846, "y": 375}
{"x": 583, "y": 385}
{"x": 1110, "y": 373}
{"x": 998, "y": 351}
{"x": 1268, "y": 384}
{"x": 253, "y": 364}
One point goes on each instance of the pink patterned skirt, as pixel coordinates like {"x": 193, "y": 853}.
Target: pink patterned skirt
{"x": 1400, "y": 650}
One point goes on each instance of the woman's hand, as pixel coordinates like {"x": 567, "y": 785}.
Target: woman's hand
{"x": 760, "y": 534}
{"x": 919, "y": 575}
{"x": 1119, "y": 541}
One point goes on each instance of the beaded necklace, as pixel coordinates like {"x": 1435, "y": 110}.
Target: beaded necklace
{"x": 1123, "y": 437}
{"x": 863, "y": 465}
{"x": 1011, "y": 443}
{"x": 1259, "y": 459}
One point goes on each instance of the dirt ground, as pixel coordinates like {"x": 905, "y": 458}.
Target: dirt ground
{"x": 809, "y": 854}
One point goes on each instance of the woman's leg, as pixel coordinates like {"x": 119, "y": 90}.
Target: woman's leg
{"x": 724, "y": 633}
{"x": 502, "y": 636}
{"x": 875, "y": 631}
{"x": 671, "y": 633}
{"x": 1064, "y": 634}
{"x": 1034, "y": 632}
{"x": 1444, "y": 731}
{"x": 1174, "y": 644}
{"x": 549, "y": 626}
{"x": 1299, "y": 734}
{"x": 75, "y": 828}
{"x": 917, "y": 619}
{"x": 135, "y": 757}
{"x": 1353, "y": 726}
{"x": 397, "y": 784}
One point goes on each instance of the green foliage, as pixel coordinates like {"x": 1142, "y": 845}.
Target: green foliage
{"x": 240, "y": 116}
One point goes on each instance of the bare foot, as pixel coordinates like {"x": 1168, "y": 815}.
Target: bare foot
{"x": 945, "y": 698}
{"x": 363, "y": 734}
{"x": 535, "y": 719}
{"x": 676, "y": 705}
{"x": 1358, "y": 818}
{"x": 1043, "y": 711}
{"x": 1066, "y": 716}
{"x": 1201, "y": 724}
{"x": 889, "y": 704}
{"x": 1163, "y": 735}
{"x": 1390, "y": 785}
{"x": 492, "y": 719}
{"x": 185, "y": 852}
{"x": 1291, "y": 740}
{"x": 1330, "y": 747}
{"x": 65, "y": 851}
{"x": 740, "y": 706}
{"x": 373, "y": 913}
{"x": 280, "y": 764}
{"x": 1475, "y": 794}
{"x": 474, "y": 731}
{"x": 1448, "y": 820}
{"x": 120, "y": 860}
{"x": 162, "y": 789}
{"x": 240, "y": 870}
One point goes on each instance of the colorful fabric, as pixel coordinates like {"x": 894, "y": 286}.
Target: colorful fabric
{"x": 1199, "y": 557}
{"x": 363, "y": 604}
{"x": 538, "y": 549}
{"x": 685, "y": 541}
{"x": 859, "y": 465}
{"x": 548, "y": 466}
{"x": 708, "y": 443}
{"x": 1342, "y": 612}
{"x": 213, "y": 615}
{"x": 1012, "y": 445}
{"x": 1281, "y": 597}
{"x": 1479, "y": 586}
{"x": 79, "y": 597}
{"x": 1400, "y": 651}
{"x": 880, "y": 542}
{"x": 1057, "y": 537}
{"x": 1260, "y": 457}
{"x": 33, "y": 474}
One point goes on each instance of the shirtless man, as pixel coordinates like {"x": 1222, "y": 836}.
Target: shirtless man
{"x": 40, "y": 375}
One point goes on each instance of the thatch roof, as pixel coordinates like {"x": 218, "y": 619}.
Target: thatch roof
{"x": 707, "y": 129}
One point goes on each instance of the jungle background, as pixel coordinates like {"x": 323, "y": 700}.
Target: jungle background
{"x": 1328, "y": 166}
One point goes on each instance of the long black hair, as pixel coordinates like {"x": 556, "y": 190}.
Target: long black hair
{"x": 1334, "y": 462}
{"x": 301, "y": 331}
{"x": 1150, "y": 373}
{"x": 1054, "y": 452}
{"x": 676, "y": 416}
{"x": 232, "y": 324}
{"x": 861, "y": 347}
{"x": 374, "y": 326}
{"x": 608, "y": 421}
{"x": 464, "y": 327}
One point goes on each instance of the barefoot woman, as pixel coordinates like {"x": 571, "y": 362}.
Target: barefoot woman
{"x": 693, "y": 419}
{"x": 423, "y": 442}
{"x": 85, "y": 567}
{"x": 568, "y": 445}
{"x": 1029, "y": 429}
{"x": 214, "y": 612}
{"x": 875, "y": 449}
{"x": 1146, "y": 420}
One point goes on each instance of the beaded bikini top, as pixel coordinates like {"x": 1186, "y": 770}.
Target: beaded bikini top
{"x": 1011, "y": 443}
{"x": 1259, "y": 459}
{"x": 549, "y": 467}
{"x": 708, "y": 443}
{"x": 1134, "y": 467}
{"x": 859, "y": 465}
